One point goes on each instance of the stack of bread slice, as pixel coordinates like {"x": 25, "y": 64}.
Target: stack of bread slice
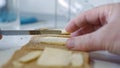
{"x": 48, "y": 51}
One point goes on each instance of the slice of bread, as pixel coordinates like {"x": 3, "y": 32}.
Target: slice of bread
{"x": 40, "y": 42}
{"x": 35, "y": 45}
{"x": 50, "y": 58}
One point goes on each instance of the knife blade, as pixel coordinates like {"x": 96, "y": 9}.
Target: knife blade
{"x": 29, "y": 32}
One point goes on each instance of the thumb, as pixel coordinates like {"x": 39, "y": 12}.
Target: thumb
{"x": 88, "y": 42}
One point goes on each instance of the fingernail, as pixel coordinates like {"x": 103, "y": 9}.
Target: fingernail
{"x": 70, "y": 43}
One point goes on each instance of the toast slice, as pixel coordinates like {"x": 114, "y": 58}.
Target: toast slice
{"x": 50, "y": 58}
{"x": 36, "y": 45}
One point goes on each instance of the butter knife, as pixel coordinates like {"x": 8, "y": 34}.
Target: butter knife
{"x": 29, "y": 32}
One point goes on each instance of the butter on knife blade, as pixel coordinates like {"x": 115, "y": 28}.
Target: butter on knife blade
{"x": 29, "y": 32}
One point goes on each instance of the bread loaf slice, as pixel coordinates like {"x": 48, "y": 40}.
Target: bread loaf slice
{"x": 50, "y": 58}
{"x": 57, "y": 50}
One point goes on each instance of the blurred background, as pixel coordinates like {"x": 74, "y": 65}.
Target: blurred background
{"x": 34, "y": 14}
{"x": 54, "y": 13}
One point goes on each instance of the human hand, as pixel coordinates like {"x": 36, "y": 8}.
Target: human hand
{"x": 96, "y": 29}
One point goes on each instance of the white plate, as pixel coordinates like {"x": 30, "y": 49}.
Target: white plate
{"x": 8, "y": 49}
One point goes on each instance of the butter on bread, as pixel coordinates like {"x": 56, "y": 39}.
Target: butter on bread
{"x": 54, "y": 57}
{"x": 77, "y": 59}
{"x": 30, "y": 56}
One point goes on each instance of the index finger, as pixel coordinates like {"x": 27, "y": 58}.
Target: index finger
{"x": 88, "y": 17}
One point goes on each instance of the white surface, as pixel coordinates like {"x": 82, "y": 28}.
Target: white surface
{"x": 13, "y": 41}
{"x": 103, "y": 64}
{"x": 5, "y": 55}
